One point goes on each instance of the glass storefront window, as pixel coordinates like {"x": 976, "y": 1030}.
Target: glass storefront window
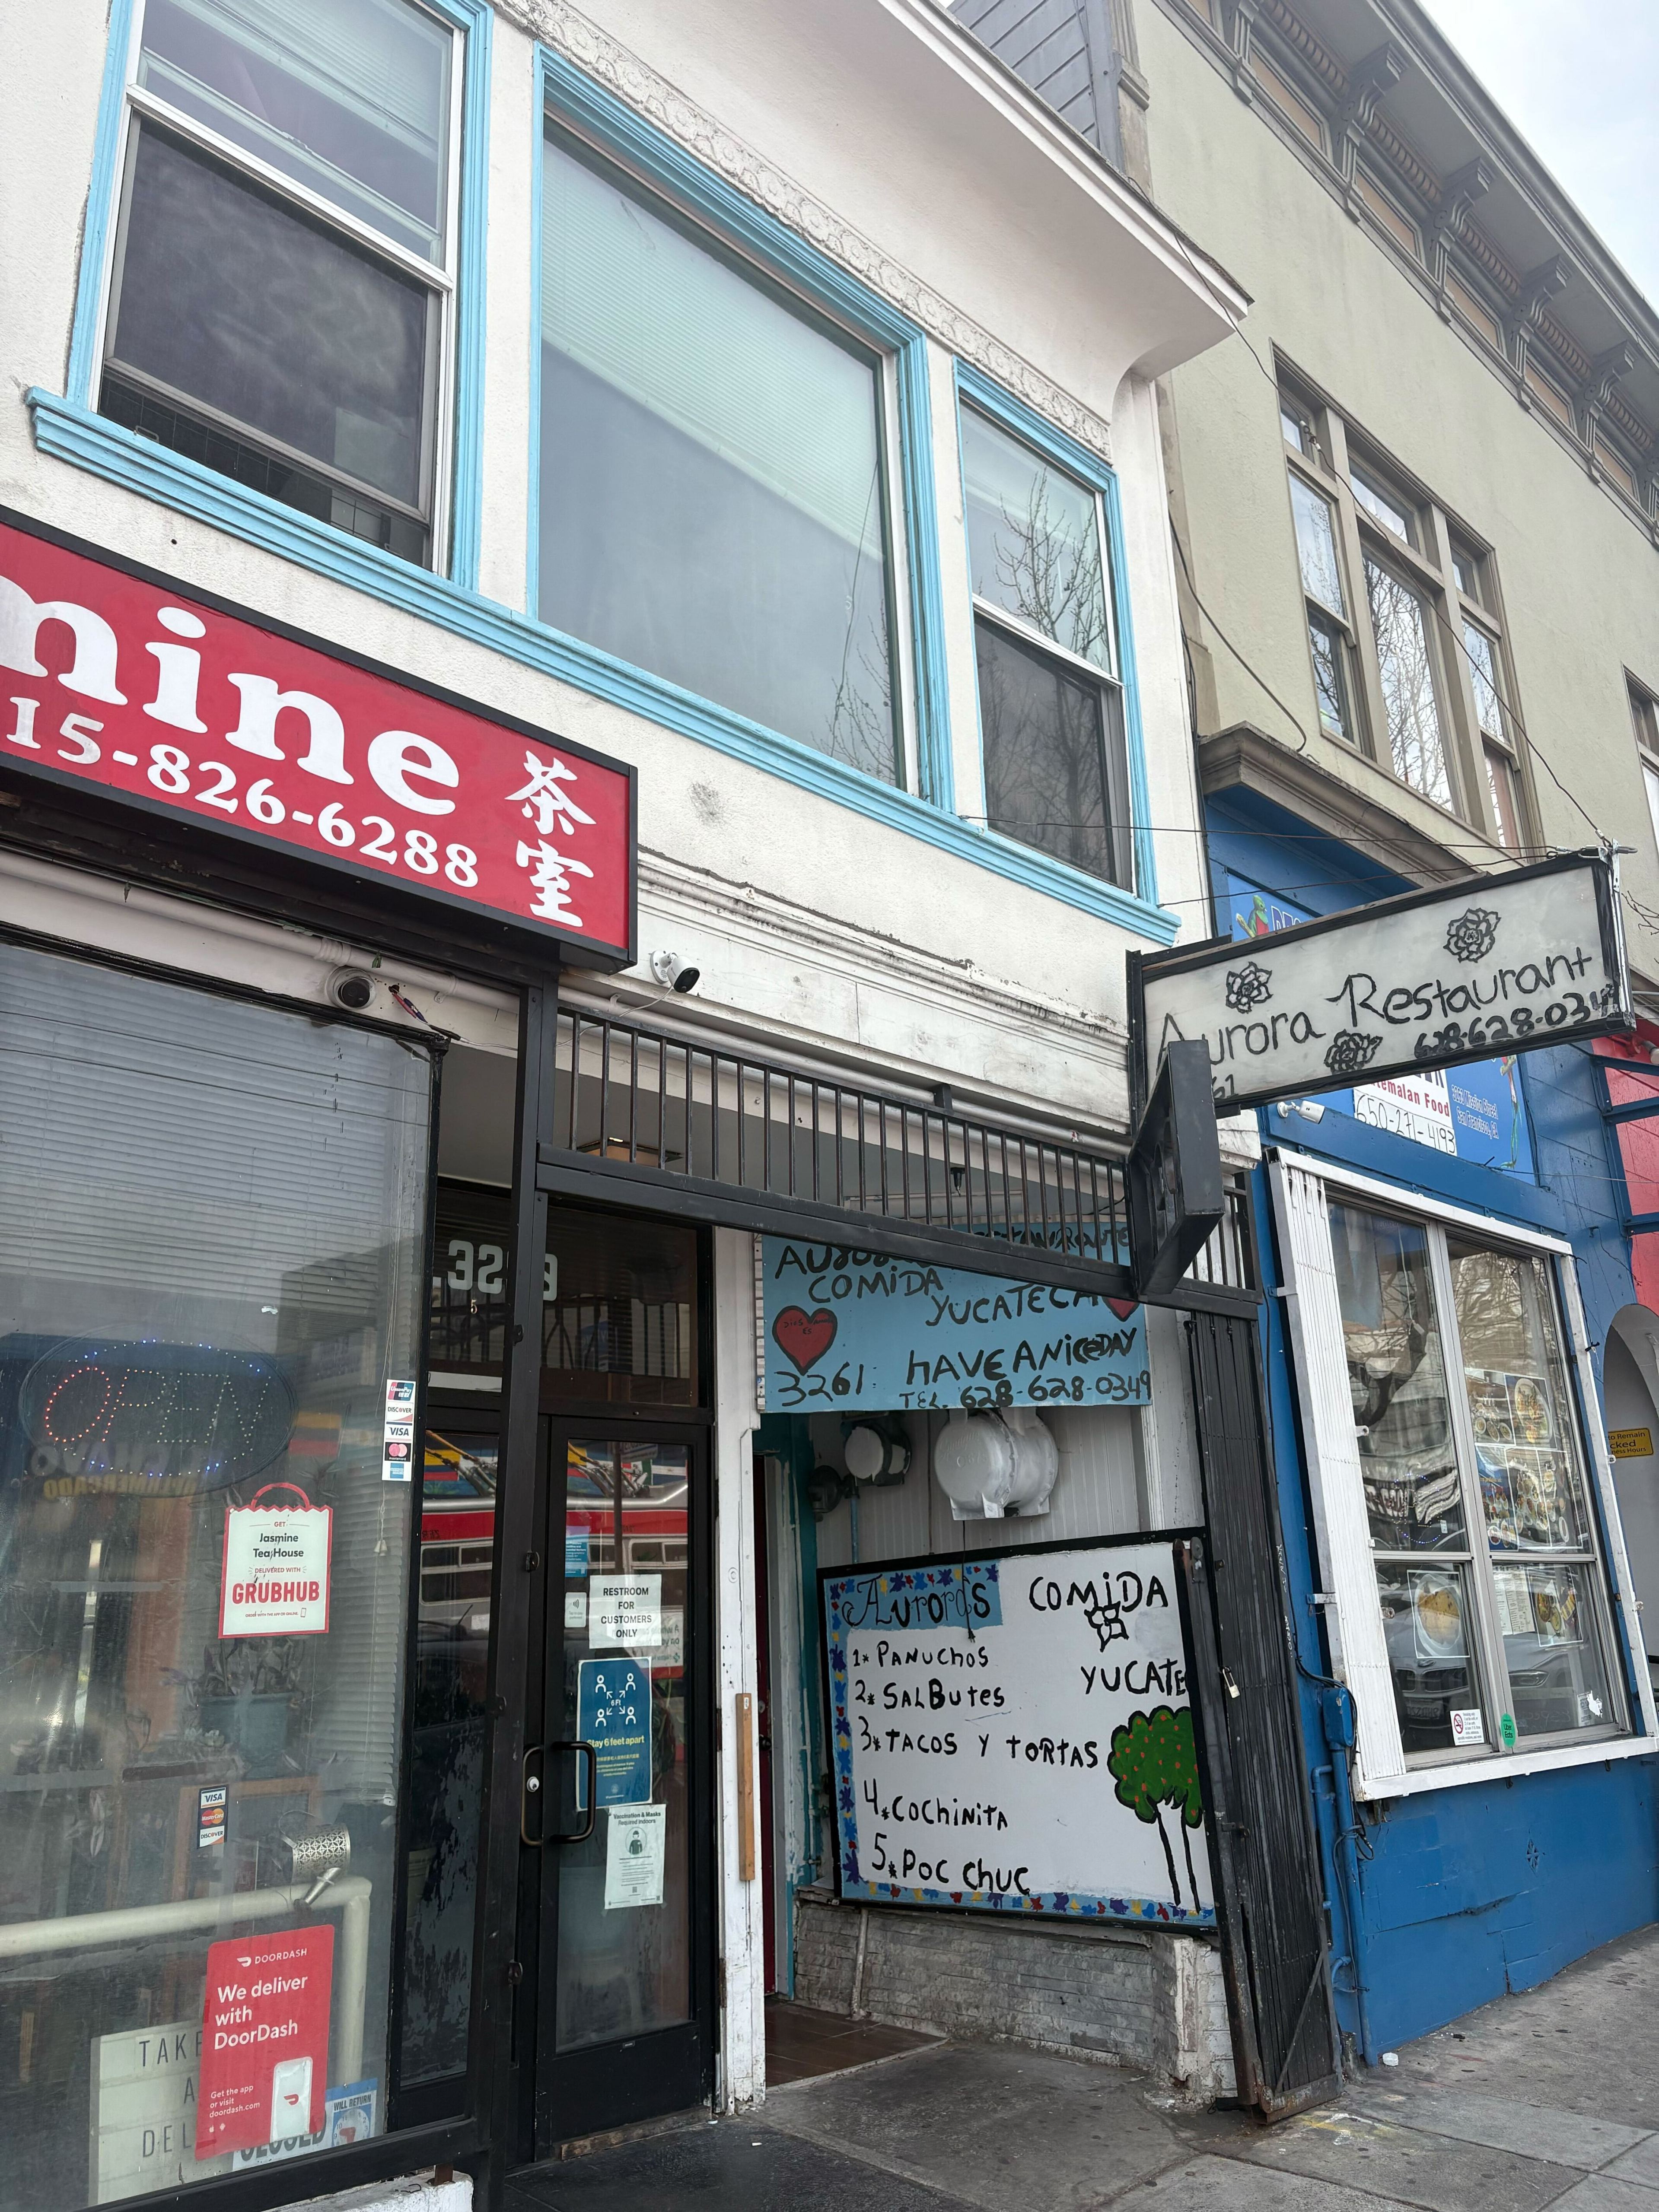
{"x": 618, "y": 1302}
{"x": 1506, "y": 1637}
{"x": 1408, "y": 1463}
{"x": 211, "y": 1222}
{"x": 1531, "y": 1469}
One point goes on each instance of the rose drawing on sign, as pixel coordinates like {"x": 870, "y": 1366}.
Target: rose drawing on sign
{"x": 1106, "y": 1618}
{"x": 1154, "y": 1763}
{"x": 1471, "y": 937}
{"x": 1248, "y": 986}
{"x": 1351, "y": 1051}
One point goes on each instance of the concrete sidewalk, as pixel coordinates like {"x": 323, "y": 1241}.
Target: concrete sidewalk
{"x": 1550, "y": 2099}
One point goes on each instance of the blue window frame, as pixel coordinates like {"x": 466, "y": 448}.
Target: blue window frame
{"x": 68, "y": 427}
{"x": 1062, "y": 764}
{"x": 792, "y": 286}
{"x": 235, "y": 139}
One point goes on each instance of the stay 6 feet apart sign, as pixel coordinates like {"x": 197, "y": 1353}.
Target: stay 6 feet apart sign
{"x": 173, "y": 703}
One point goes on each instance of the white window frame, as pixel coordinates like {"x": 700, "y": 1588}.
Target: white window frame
{"x": 1300, "y": 1187}
{"x": 438, "y": 428}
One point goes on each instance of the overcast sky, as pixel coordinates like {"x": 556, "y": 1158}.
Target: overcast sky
{"x": 1579, "y": 79}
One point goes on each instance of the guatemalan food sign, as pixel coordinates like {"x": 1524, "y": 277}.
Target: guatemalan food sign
{"x": 1014, "y": 1732}
{"x": 172, "y": 703}
{"x": 1497, "y": 965}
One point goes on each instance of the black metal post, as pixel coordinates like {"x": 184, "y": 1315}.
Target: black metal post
{"x": 496, "y": 1970}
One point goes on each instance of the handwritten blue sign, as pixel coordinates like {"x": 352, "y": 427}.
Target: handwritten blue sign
{"x": 847, "y": 1328}
{"x": 613, "y": 1714}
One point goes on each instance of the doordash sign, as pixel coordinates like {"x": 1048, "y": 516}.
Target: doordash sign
{"x": 265, "y": 2039}
{"x": 110, "y": 678}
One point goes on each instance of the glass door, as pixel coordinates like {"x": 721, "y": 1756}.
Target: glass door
{"x": 618, "y": 1802}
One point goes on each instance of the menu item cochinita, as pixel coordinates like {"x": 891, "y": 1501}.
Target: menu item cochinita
{"x": 1016, "y": 1732}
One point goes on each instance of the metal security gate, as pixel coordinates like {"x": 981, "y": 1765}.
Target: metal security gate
{"x": 1268, "y": 1873}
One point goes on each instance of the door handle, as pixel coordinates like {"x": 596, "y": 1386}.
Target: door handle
{"x": 533, "y": 1788}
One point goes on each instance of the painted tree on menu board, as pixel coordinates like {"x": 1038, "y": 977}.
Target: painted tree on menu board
{"x": 1154, "y": 1763}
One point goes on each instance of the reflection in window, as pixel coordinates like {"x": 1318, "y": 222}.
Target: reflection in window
{"x": 712, "y": 488}
{"x": 1316, "y": 545}
{"x": 447, "y": 1737}
{"x": 1483, "y": 676}
{"x": 628, "y": 1507}
{"x": 1507, "y": 1462}
{"x": 1408, "y": 691}
{"x": 212, "y": 1217}
{"x": 620, "y": 1321}
{"x": 1034, "y": 538}
{"x": 1329, "y": 649}
{"x": 1382, "y": 506}
{"x": 1053, "y": 756}
{"x": 251, "y": 329}
{"x": 1397, "y": 1382}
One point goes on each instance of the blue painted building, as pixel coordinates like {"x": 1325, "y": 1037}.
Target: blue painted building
{"x": 1444, "y": 1898}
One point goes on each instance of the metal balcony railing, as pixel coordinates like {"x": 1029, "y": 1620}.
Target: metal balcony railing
{"x": 720, "y": 1134}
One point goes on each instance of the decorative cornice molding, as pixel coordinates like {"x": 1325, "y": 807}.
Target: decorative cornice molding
{"x": 1447, "y": 202}
{"x": 623, "y": 73}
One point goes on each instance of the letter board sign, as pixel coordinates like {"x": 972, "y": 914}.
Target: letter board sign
{"x": 1497, "y": 964}
{"x": 171, "y": 702}
{"x": 1013, "y": 1732}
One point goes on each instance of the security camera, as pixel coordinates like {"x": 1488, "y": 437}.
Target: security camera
{"x": 352, "y": 988}
{"x": 674, "y": 973}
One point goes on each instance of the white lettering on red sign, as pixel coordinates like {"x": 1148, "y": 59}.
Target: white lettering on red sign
{"x": 214, "y": 718}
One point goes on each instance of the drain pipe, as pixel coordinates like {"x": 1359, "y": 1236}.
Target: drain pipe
{"x": 856, "y": 2009}
{"x": 1337, "y": 1712}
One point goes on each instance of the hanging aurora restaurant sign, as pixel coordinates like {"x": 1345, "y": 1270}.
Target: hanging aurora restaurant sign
{"x": 1500, "y": 964}
{"x": 1014, "y": 1732}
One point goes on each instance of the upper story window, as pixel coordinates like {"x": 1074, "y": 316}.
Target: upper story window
{"x": 1050, "y": 707}
{"x": 1403, "y": 630}
{"x": 281, "y": 295}
{"x": 714, "y": 491}
{"x": 1644, "y": 713}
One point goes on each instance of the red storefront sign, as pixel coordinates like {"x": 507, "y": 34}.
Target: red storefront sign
{"x": 173, "y": 703}
{"x": 264, "y": 2039}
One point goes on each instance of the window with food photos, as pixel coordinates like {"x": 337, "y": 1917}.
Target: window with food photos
{"x": 1488, "y": 1565}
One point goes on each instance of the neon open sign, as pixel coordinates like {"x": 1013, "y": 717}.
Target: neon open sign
{"x": 162, "y": 1419}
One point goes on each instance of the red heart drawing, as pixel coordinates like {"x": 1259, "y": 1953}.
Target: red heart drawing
{"x": 804, "y": 1337}
{"x": 1123, "y": 1307}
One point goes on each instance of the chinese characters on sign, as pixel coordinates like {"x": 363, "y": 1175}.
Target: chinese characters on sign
{"x": 155, "y": 696}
